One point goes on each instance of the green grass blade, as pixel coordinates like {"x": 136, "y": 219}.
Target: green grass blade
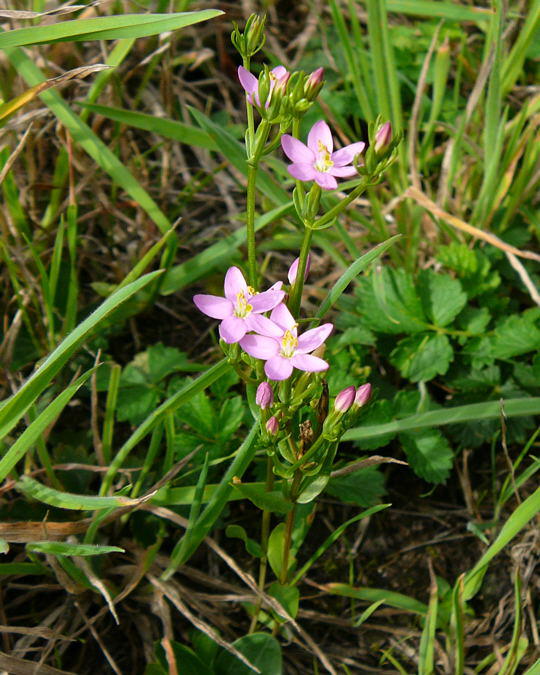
{"x": 15, "y": 407}
{"x": 176, "y": 131}
{"x": 457, "y": 627}
{"x": 30, "y": 435}
{"x": 22, "y": 569}
{"x": 85, "y": 137}
{"x": 427, "y": 641}
{"x": 513, "y": 65}
{"x": 187, "y": 392}
{"x": 333, "y": 538}
{"x": 189, "y": 544}
{"x": 518, "y": 644}
{"x": 104, "y": 28}
{"x": 390, "y": 598}
{"x": 66, "y": 500}
{"x": 441, "y": 9}
{"x": 435, "y": 418}
{"x": 524, "y": 513}
{"x": 61, "y": 548}
{"x": 352, "y": 272}
{"x": 216, "y": 255}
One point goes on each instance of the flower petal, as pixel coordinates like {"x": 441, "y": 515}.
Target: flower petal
{"x": 234, "y": 284}
{"x": 309, "y": 363}
{"x": 278, "y": 368}
{"x": 263, "y": 302}
{"x": 313, "y": 338}
{"x": 279, "y": 72}
{"x": 320, "y": 132}
{"x": 248, "y": 81}
{"x": 325, "y": 180}
{"x": 293, "y": 269}
{"x": 260, "y": 324}
{"x": 259, "y": 346}
{"x": 302, "y": 171}
{"x": 342, "y": 171}
{"x": 283, "y": 318}
{"x": 232, "y": 329}
{"x": 296, "y": 151}
{"x": 347, "y": 154}
{"x": 213, "y": 305}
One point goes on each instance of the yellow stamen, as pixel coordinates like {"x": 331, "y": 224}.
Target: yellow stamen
{"x": 242, "y": 308}
{"x": 288, "y": 344}
{"x": 324, "y": 162}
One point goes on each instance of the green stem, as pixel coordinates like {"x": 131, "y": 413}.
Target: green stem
{"x": 289, "y": 528}
{"x": 265, "y": 533}
{"x": 334, "y": 211}
{"x": 296, "y": 293}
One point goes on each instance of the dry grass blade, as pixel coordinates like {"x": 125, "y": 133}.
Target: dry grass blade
{"x": 14, "y": 155}
{"x": 423, "y": 200}
{"x": 97, "y": 638}
{"x": 169, "y": 592}
{"x": 364, "y": 463}
{"x": 16, "y": 666}
{"x": 524, "y": 276}
{"x": 97, "y": 583}
{"x": 21, "y": 14}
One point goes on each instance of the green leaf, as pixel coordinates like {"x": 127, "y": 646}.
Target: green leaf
{"x": 443, "y": 297}
{"x": 230, "y": 418}
{"x": 104, "y": 28}
{"x": 287, "y": 596}
{"x": 272, "y": 500}
{"x": 390, "y": 598}
{"x": 364, "y": 487}
{"x": 163, "y": 361}
{"x": 472, "y": 266}
{"x": 453, "y": 11}
{"x": 276, "y": 542}
{"x": 389, "y": 303}
{"x": 422, "y": 357}
{"x": 252, "y": 547}
{"x": 61, "y": 548}
{"x": 199, "y": 413}
{"x": 379, "y": 413}
{"x": 428, "y": 454}
{"x": 261, "y": 649}
{"x": 517, "y": 335}
{"x": 135, "y": 403}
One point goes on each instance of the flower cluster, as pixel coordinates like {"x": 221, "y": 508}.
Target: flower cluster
{"x": 273, "y": 339}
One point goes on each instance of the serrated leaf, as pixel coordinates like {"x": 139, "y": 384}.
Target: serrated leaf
{"x": 420, "y": 358}
{"x": 199, "y": 413}
{"x": 135, "y": 403}
{"x": 442, "y": 296}
{"x": 516, "y": 335}
{"x": 472, "y": 266}
{"x": 474, "y": 320}
{"x": 364, "y": 487}
{"x": 163, "y": 361}
{"x": 378, "y": 412}
{"x": 230, "y": 418}
{"x": 356, "y": 335}
{"x": 389, "y": 302}
{"x": 428, "y": 453}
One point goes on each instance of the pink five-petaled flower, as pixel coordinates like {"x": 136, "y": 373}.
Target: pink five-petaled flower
{"x": 241, "y": 308}
{"x": 289, "y": 350}
{"x": 316, "y": 161}
{"x": 251, "y": 84}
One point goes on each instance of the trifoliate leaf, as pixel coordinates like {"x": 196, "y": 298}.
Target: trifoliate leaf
{"x": 389, "y": 303}
{"x": 422, "y": 357}
{"x": 428, "y": 453}
{"x": 518, "y": 334}
{"x": 443, "y": 297}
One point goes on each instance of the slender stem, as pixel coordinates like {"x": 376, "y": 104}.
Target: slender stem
{"x": 296, "y": 294}
{"x": 265, "y": 533}
{"x": 289, "y": 523}
{"x": 333, "y": 212}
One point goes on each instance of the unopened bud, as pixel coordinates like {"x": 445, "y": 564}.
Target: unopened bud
{"x": 272, "y": 426}
{"x": 363, "y": 394}
{"x": 345, "y": 399}
{"x": 314, "y": 84}
{"x": 383, "y": 137}
{"x": 264, "y": 396}
{"x": 254, "y": 35}
{"x": 293, "y": 270}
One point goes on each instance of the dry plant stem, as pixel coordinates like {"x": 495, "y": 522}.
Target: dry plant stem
{"x": 265, "y": 531}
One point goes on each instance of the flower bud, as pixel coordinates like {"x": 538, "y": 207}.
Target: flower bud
{"x": 363, "y": 394}
{"x": 345, "y": 399}
{"x": 383, "y": 137}
{"x": 272, "y": 426}
{"x": 264, "y": 396}
{"x": 314, "y": 84}
{"x": 293, "y": 270}
{"x": 254, "y": 35}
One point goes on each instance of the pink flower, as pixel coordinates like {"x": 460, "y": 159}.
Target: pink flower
{"x": 316, "y": 161}
{"x": 241, "y": 308}
{"x": 251, "y": 84}
{"x": 289, "y": 350}
{"x": 363, "y": 394}
{"x": 264, "y": 397}
{"x": 383, "y": 137}
{"x": 345, "y": 399}
{"x": 293, "y": 270}
{"x": 272, "y": 426}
